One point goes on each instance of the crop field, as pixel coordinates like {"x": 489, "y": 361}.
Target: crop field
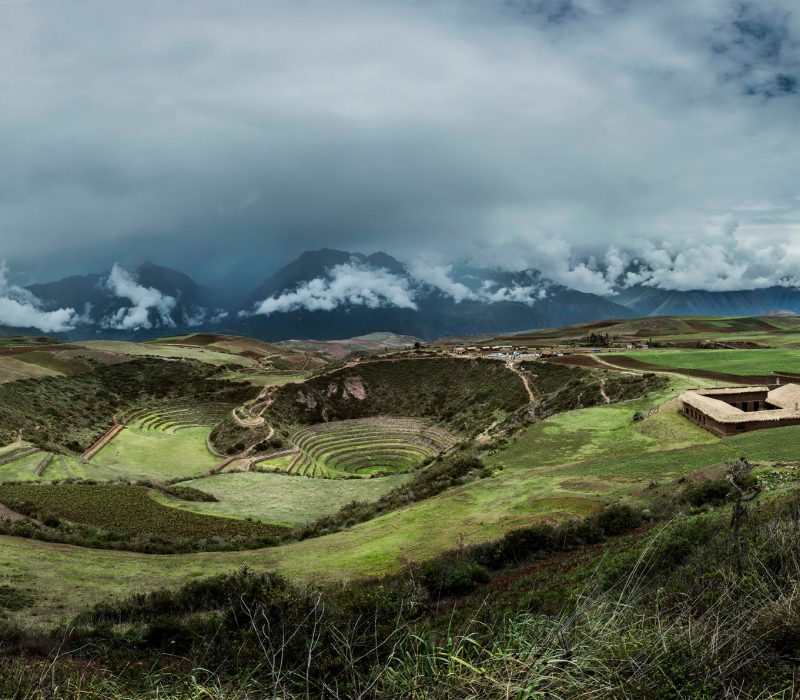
{"x": 282, "y": 499}
{"x": 681, "y": 331}
{"x": 741, "y": 362}
{"x": 12, "y": 369}
{"x": 126, "y": 510}
{"x": 200, "y": 354}
{"x": 366, "y": 446}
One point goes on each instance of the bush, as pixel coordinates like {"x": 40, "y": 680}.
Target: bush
{"x": 452, "y": 575}
{"x": 617, "y": 519}
{"x": 713, "y": 493}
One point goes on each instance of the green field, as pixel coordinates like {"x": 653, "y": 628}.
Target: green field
{"x": 59, "y": 467}
{"x": 279, "y": 498}
{"x": 140, "y": 453}
{"x": 566, "y": 466}
{"x": 741, "y": 362}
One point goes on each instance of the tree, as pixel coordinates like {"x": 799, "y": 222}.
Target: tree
{"x": 746, "y": 489}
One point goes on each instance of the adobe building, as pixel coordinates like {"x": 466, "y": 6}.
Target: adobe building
{"x": 731, "y": 410}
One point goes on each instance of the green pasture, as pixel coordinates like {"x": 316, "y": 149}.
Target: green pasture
{"x": 156, "y": 454}
{"x": 280, "y": 498}
{"x": 742, "y": 362}
{"x": 280, "y": 463}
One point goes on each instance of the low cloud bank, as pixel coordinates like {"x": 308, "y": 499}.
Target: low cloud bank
{"x": 349, "y": 283}
{"x": 489, "y": 292}
{"x": 21, "y": 309}
{"x": 144, "y": 299}
{"x": 359, "y": 285}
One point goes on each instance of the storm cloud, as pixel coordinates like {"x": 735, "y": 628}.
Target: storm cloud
{"x": 602, "y": 142}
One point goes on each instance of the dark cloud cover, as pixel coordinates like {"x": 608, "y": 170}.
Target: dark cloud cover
{"x": 587, "y": 137}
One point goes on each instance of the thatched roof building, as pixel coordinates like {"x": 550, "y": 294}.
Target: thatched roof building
{"x": 731, "y": 410}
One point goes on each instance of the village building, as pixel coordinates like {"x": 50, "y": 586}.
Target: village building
{"x": 731, "y": 410}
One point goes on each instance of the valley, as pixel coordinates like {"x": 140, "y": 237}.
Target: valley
{"x": 183, "y": 467}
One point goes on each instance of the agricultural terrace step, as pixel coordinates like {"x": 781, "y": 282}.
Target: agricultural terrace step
{"x": 355, "y": 456}
{"x": 19, "y": 453}
{"x": 306, "y": 436}
{"x": 335, "y": 445}
{"x": 388, "y": 458}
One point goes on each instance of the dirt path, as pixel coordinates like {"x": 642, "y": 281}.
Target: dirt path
{"x": 8, "y": 514}
{"x": 602, "y": 385}
{"x": 211, "y": 449}
{"x": 264, "y": 456}
{"x": 516, "y": 370}
{"x": 107, "y": 437}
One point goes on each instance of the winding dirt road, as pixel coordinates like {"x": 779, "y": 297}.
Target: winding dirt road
{"x": 516, "y": 370}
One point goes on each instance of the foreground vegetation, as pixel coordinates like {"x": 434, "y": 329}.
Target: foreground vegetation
{"x": 620, "y": 605}
{"x": 573, "y": 543}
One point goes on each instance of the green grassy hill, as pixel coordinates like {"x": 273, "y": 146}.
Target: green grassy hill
{"x": 463, "y": 395}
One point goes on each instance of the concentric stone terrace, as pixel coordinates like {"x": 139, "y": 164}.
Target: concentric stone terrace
{"x": 366, "y": 446}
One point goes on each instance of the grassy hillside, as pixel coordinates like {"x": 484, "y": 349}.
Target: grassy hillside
{"x": 463, "y": 395}
{"x": 72, "y": 412}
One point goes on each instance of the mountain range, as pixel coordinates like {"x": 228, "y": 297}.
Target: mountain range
{"x": 331, "y": 294}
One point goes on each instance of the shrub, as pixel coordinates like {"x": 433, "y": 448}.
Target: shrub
{"x": 452, "y": 574}
{"x": 618, "y": 519}
{"x": 713, "y": 492}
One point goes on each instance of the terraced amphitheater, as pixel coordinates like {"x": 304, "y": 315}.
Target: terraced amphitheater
{"x": 174, "y": 417}
{"x": 366, "y": 446}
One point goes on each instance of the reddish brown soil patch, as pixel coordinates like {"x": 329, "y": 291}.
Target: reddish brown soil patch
{"x": 577, "y": 361}
{"x": 107, "y": 437}
{"x": 35, "y": 348}
{"x": 251, "y": 354}
{"x": 601, "y": 324}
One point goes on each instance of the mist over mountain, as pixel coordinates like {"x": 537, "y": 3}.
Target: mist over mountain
{"x": 334, "y": 294}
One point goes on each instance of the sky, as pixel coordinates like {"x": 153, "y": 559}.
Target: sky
{"x": 604, "y": 142}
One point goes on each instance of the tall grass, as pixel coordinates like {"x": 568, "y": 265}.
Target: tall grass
{"x": 673, "y": 617}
